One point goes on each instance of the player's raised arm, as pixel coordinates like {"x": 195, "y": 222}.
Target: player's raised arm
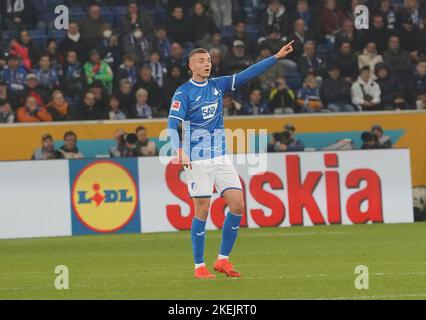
{"x": 227, "y": 83}
{"x": 261, "y": 66}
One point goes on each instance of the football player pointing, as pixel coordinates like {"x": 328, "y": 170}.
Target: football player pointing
{"x": 197, "y": 108}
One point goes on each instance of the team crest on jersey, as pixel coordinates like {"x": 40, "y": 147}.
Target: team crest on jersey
{"x": 209, "y": 111}
{"x": 176, "y": 105}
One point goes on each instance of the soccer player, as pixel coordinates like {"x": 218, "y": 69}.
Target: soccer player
{"x": 196, "y": 109}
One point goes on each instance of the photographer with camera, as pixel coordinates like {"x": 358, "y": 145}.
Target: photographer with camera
{"x": 285, "y": 141}
{"x": 369, "y": 141}
{"x": 366, "y": 92}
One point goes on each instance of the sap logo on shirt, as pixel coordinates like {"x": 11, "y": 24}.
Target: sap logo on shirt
{"x": 209, "y": 111}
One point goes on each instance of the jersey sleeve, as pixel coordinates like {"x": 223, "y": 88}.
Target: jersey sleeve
{"x": 225, "y": 83}
{"x": 179, "y": 105}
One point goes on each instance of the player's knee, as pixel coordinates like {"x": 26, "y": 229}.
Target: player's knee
{"x": 202, "y": 209}
{"x": 237, "y": 207}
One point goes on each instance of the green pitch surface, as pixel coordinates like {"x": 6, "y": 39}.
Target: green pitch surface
{"x": 277, "y": 263}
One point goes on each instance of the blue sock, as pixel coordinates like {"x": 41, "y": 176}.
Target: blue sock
{"x": 229, "y": 233}
{"x": 198, "y": 235}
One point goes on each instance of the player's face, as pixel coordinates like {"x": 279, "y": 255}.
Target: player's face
{"x": 201, "y": 64}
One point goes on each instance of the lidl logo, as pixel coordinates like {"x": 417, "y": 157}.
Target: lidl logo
{"x": 104, "y": 196}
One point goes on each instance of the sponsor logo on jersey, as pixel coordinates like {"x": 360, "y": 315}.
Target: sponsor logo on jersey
{"x": 209, "y": 111}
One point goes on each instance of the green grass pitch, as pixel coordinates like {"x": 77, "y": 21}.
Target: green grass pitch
{"x": 277, "y": 263}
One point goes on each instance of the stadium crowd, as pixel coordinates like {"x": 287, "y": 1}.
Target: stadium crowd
{"x": 118, "y": 62}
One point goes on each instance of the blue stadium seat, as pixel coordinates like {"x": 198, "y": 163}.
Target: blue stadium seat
{"x": 227, "y": 32}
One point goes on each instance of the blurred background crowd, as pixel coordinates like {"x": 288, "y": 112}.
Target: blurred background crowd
{"x": 124, "y": 59}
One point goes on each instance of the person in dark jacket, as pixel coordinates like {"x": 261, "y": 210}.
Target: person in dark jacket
{"x": 73, "y": 41}
{"x": 202, "y": 23}
{"x": 346, "y": 60}
{"x": 310, "y": 63}
{"x": 377, "y": 33}
{"x": 398, "y": 60}
{"x": 134, "y": 17}
{"x": 89, "y": 110}
{"x": 335, "y": 92}
{"x": 91, "y": 27}
{"x": 285, "y": 141}
{"x": 178, "y": 27}
{"x": 391, "y": 91}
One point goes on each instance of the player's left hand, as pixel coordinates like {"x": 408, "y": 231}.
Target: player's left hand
{"x": 285, "y": 50}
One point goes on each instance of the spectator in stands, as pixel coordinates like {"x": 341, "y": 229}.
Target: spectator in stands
{"x": 391, "y": 92}
{"x": 89, "y": 110}
{"x": 137, "y": 44}
{"x": 115, "y": 112}
{"x": 14, "y": 75}
{"x": 146, "y": 147}
{"x": 300, "y": 36}
{"x": 6, "y": 113}
{"x": 310, "y": 63}
{"x": 388, "y": 13}
{"x": 365, "y": 92}
{"x": 95, "y": 69}
{"x": 346, "y": 61}
{"x": 331, "y": 18}
{"x": 240, "y": 33}
{"x": 276, "y": 17}
{"x": 137, "y": 17}
{"x": 128, "y": 69}
{"x": 398, "y": 60}
{"x": 162, "y": 43}
{"x": 222, "y": 12}
{"x": 219, "y": 65}
{"x": 174, "y": 79}
{"x": 91, "y": 26}
{"x": 285, "y": 141}
{"x": 273, "y": 39}
{"x": 282, "y": 98}
{"x": 33, "y": 52}
{"x": 179, "y": 29}
{"x": 413, "y": 10}
{"x": 176, "y": 57}
{"x": 5, "y": 95}
{"x": 53, "y": 53}
{"x": 125, "y": 95}
{"x": 59, "y": 108}
{"x": 32, "y": 112}
{"x": 418, "y": 82}
{"x": 19, "y": 15}
{"x": 348, "y": 33}
{"x": 308, "y": 97}
{"x": 47, "y": 150}
{"x": 111, "y": 51}
{"x": 215, "y": 42}
{"x": 118, "y": 150}
{"x": 73, "y": 41}
{"x": 147, "y": 82}
{"x": 310, "y": 18}
{"x": 157, "y": 69}
{"x": 202, "y": 23}
{"x": 370, "y": 58}
{"x": 69, "y": 150}
{"x": 72, "y": 79}
{"x": 238, "y": 59}
{"x": 409, "y": 36}
{"x": 231, "y": 107}
{"x": 33, "y": 89}
{"x": 15, "y": 48}
{"x": 45, "y": 12}
{"x": 268, "y": 78}
{"x": 47, "y": 76}
{"x": 377, "y": 33}
{"x": 335, "y": 92}
{"x": 141, "y": 109}
{"x": 384, "y": 141}
{"x": 256, "y": 105}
